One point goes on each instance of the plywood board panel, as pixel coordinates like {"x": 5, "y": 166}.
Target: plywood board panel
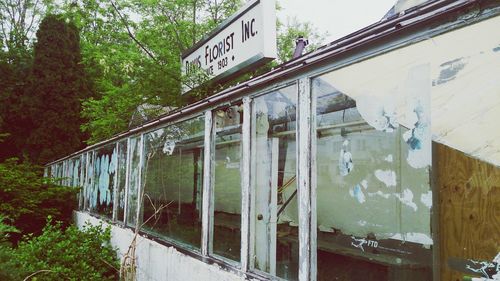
{"x": 469, "y": 192}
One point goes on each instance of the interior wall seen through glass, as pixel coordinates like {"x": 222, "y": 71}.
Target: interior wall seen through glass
{"x": 373, "y": 206}
{"x": 173, "y": 169}
{"x": 275, "y": 211}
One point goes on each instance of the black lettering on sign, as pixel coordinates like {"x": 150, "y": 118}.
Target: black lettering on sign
{"x": 219, "y": 49}
{"x": 248, "y": 30}
{"x": 191, "y": 66}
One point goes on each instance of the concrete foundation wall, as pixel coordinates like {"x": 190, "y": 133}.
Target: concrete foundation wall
{"x": 158, "y": 262}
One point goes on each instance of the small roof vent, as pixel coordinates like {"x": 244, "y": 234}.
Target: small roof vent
{"x": 300, "y": 45}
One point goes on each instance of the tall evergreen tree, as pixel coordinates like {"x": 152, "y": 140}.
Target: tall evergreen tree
{"x": 58, "y": 85}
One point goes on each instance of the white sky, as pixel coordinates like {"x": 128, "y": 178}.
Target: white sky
{"x": 337, "y": 17}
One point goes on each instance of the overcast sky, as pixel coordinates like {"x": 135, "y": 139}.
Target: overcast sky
{"x": 337, "y": 17}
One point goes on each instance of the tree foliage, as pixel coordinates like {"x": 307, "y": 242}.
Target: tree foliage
{"x": 58, "y": 254}
{"x": 19, "y": 20}
{"x": 292, "y": 29}
{"x": 26, "y": 199}
{"x": 132, "y": 49}
{"x": 58, "y": 83}
{"x": 131, "y": 52}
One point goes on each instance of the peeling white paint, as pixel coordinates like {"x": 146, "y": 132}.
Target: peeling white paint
{"x": 364, "y": 184}
{"x": 378, "y": 113}
{"x": 345, "y": 159}
{"x": 324, "y": 228}
{"x": 388, "y": 177}
{"x": 389, "y": 158}
{"x": 464, "y": 99}
{"x": 407, "y": 199}
{"x": 426, "y": 199}
{"x": 169, "y": 147}
{"x": 418, "y": 137}
{"x": 357, "y": 193}
{"x": 379, "y": 193}
{"x": 419, "y": 238}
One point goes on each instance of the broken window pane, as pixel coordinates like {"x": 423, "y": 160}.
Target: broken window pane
{"x": 173, "y": 169}
{"x": 275, "y": 210}
{"x": 373, "y": 195}
{"x": 227, "y": 185}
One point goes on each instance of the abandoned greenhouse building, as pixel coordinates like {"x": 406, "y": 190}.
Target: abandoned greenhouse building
{"x": 375, "y": 157}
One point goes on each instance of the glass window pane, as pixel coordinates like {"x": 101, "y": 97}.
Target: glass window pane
{"x": 134, "y": 179}
{"x": 75, "y": 172}
{"x": 59, "y": 173}
{"x": 105, "y": 164}
{"x": 373, "y": 195}
{"x": 89, "y": 181}
{"x": 173, "y": 169}
{"x": 82, "y": 171}
{"x": 121, "y": 179}
{"x": 273, "y": 178}
{"x": 227, "y": 187}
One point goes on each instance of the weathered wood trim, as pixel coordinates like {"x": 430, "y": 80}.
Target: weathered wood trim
{"x": 140, "y": 191}
{"x": 313, "y": 178}
{"x": 127, "y": 182}
{"x": 307, "y": 223}
{"x": 207, "y": 206}
{"x": 245, "y": 185}
{"x": 115, "y": 184}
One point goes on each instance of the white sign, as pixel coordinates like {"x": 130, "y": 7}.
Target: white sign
{"x": 246, "y": 39}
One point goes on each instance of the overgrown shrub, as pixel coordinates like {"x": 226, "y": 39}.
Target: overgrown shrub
{"x": 27, "y": 199}
{"x": 58, "y": 254}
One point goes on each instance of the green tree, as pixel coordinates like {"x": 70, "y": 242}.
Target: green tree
{"x": 58, "y": 254}
{"x": 132, "y": 49}
{"x": 14, "y": 76}
{"x": 26, "y": 199}
{"x": 292, "y": 29}
{"x": 58, "y": 84}
{"x": 19, "y": 20}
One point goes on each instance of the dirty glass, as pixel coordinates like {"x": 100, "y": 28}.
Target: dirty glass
{"x": 75, "y": 172}
{"x": 65, "y": 174}
{"x": 373, "y": 193}
{"x": 74, "y": 175}
{"x": 59, "y": 173}
{"x": 173, "y": 169}
{"x": 275, "y": 211}
{"x": 227, "y": 186}
{"x": 82, "y": 171}
{"x": 89, "y": 179}
{"x": 121, "y": 180}
{"x": 52, "y": 171}
{"x": 134, "y": 179}
{"x": 105, "y": 163}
